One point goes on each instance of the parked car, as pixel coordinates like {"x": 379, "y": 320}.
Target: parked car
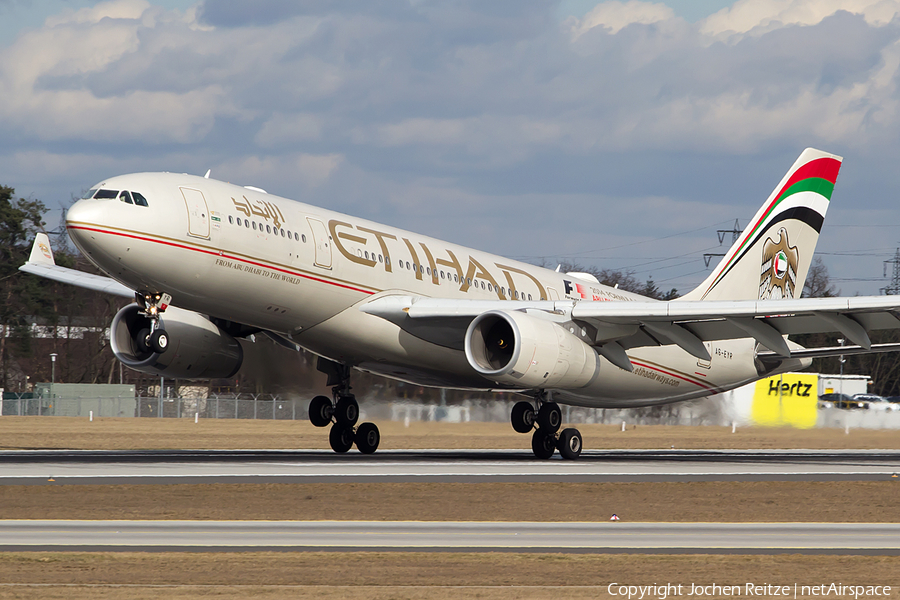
{"x": 874, "y": 402}
{"x": 839, "y": 401}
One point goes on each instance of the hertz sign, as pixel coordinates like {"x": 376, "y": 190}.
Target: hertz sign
{"x": 789, "y": 399}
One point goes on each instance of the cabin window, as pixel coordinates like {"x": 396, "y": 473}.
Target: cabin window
{"x": 482, "y": 285}
{"x": 503, "y": 290}
{"x": 246, "y": 222}
{"x": 379, "y": 258}
{"x": 529, "y": 296}
{"x": 421, "y": 269}
{"x": 468, "y": 281}
{"x": 303, "y": 237}
{"x": 387, "y": 260}
{"x": 442, "y": 274}
{"x": 282, "y": 233}
{"x": 455, "y": 278}
{"x": 254, "y": 225}
{"x": 268, "y": 229}
{"x": 231, "y": 220}
{"x": 139, "y": 199}
{"x": 428, "y": 270}
{"x": 490, "y": 289}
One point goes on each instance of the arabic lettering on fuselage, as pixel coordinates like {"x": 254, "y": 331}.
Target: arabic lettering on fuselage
{"x": 261, "y": 209}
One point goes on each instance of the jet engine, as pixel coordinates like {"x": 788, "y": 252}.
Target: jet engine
{"x": 198, "y": 349}
{"x": 518, "y": 350}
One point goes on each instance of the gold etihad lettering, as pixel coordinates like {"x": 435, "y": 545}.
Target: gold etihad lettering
{"x": 474, "y": 270}
{"x": 380, "y": 235}
{"x": 261, "y": 209}
{"x": 337, "y": 236}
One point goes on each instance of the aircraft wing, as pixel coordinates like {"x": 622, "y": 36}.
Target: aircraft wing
{"x": 41, "y": 263}
{"x": 613, "y": 327}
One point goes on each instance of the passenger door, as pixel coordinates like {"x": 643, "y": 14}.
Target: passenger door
{"x": 323, "y": 244}
{"x": 198, "y": 212}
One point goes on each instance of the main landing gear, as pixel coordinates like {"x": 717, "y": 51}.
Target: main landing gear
{"x": 153, "y": 338}
{"x": 545, "y": 440}
{"x": 343, "y": 412}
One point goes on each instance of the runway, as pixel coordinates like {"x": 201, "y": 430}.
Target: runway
{"x": 713, "y": 538}
{"x": 58, "y": 467}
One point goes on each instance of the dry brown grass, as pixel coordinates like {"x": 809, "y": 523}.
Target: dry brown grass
{"x": 859, "y": 502}
{"x": 412, "y": 575}
{"x": 147, "y": 433}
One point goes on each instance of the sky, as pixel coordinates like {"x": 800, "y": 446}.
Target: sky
{"x": 617, "y": 134}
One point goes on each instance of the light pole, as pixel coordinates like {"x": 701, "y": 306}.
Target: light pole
{"x": 52, "y": 371}
{"x": 52, "y": 374}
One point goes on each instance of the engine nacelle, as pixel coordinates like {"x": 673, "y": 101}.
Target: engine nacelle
{"x": 198, "y": 349}
{"x": 521, "y": 351}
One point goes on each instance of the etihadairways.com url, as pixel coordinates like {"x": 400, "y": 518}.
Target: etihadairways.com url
{"x": 796, "y": 590}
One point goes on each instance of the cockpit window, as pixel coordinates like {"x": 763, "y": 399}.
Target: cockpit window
{"x": 89, "y": 194}
{"x": 106, "y": 194}
{"x": 139, "y": 199}
{"x": 126, "y": 197}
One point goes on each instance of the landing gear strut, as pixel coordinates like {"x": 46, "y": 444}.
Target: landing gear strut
{"x": 155, "y": 338}
{"x": 548, "y": 418}
{"x": 342, "y": 413}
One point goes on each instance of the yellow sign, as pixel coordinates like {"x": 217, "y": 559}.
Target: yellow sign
{"x": 789, "y": 399}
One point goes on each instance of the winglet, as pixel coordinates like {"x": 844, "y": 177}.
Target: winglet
{"x": 41, "y": 253}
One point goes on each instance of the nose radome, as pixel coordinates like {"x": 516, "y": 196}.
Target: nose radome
{"x": 81, "y": 216}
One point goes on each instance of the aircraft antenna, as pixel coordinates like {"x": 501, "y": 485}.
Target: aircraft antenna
{"x": 894, "y": 288}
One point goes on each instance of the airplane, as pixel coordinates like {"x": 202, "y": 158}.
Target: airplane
{"x": 209, "y": 262}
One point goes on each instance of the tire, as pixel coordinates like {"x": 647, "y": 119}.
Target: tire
{"x": 543, "y": 444}
{"x": 320, "y": 411}
{"x": 159, "y": 341}
{"x": 367, "y": 438}
{"x": 522, "y": 417}
{"x": 570, "y": 444}
{"x": 346, "y": 411}
{"x": 141, "y": 341}
{"x": 340, "y": 438}
{"x": 549, "y": 417}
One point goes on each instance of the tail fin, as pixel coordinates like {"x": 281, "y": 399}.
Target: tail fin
{"x": 771, "y": 258}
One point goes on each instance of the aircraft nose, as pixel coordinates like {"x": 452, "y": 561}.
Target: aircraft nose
{"x": 81, "y": 216}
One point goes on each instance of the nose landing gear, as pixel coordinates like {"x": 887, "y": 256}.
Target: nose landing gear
{"x": 155, "y": 338}
{"x": 343, "y": 412}
{"x": 545, "y": 440}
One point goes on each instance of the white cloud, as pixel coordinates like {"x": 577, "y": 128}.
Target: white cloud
{"x": 615, "y": 15}
{"x": 114, "y": 9}
{"x": 760, "y": 16}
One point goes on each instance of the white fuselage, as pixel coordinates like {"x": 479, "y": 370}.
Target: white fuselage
{"x": 249, "y": 257}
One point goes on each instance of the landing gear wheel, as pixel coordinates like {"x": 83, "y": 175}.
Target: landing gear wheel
{"x": 346, "y": 411}
{"x": 522, "y": 417}
{"x": 142, "y": 341}
{"x": 159, "y": 341}
{"x": 320, "y": 411}
{"x": 367, "y": 438}
{"x": 543, "y": 444}
{"x": 549, "y": 417}
{"x": 569, "y": 444}
{"x": 341, "y": 438}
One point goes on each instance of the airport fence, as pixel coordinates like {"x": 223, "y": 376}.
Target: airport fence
{"x": 286, "y": 408}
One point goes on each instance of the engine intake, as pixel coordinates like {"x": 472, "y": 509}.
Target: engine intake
{"x": 518, "y": 350}
{"x": 198, "y": 349}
